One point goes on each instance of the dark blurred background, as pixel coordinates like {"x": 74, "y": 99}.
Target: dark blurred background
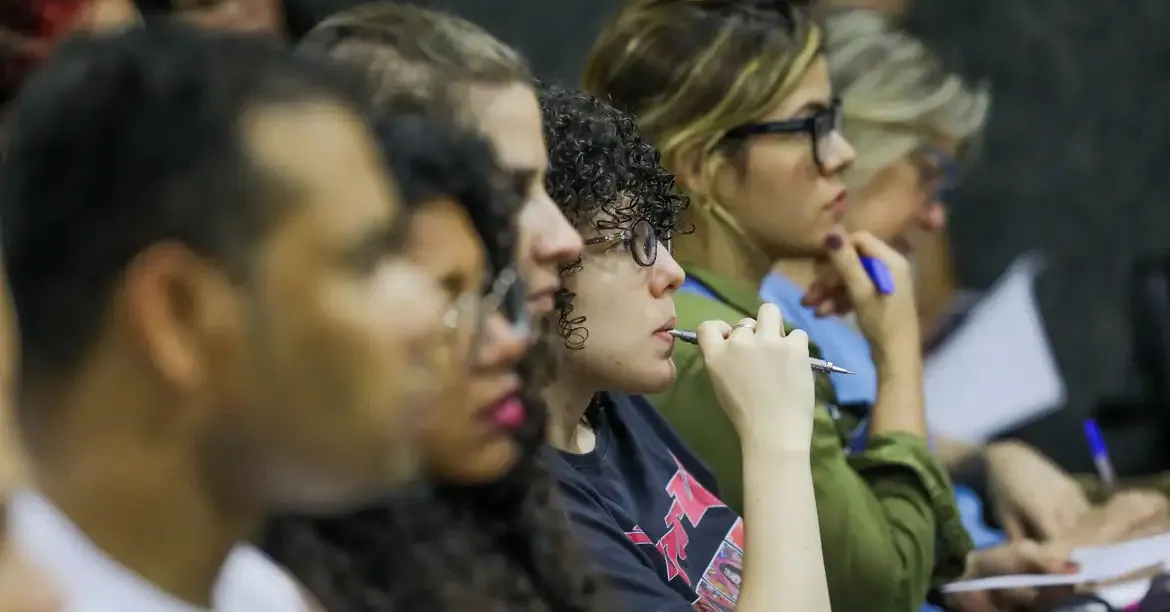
{"x": 1073, "y": 165}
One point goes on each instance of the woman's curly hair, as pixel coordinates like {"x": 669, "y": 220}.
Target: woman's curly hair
{"x": 500, "y": 547}
{"x": 603, "y": 176}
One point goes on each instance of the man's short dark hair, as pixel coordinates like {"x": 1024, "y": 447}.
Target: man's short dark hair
{"x": 125, "y": 140}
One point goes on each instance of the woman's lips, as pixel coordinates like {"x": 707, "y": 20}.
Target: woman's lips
{"x": 507, "y": 414}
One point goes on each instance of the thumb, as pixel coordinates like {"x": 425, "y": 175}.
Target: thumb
{"x": 1013, "y": 525}
{"x": 847, "y": 262}
{"x": 712, "y": 337}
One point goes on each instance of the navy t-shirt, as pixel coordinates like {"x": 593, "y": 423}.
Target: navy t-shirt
{"x": 648, "y": 512}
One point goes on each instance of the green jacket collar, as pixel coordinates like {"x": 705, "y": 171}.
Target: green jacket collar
{"x": 729, "y": 291}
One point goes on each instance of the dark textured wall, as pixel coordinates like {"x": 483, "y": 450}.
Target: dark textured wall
{"x": 554, "y": 35}
{"x": 1073, "y": 162}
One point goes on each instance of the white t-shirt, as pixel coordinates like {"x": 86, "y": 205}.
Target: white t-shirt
{"x": 90, "y": 581}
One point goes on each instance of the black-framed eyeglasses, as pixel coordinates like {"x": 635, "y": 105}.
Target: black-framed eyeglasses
{"x": 640, "y": 239}
{"x": 820, "y": 127}
{"x": 507, "y": 295}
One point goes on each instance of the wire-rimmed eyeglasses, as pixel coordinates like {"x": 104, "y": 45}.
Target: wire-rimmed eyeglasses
{"x": 640, "y": 239}
{"x": 507, "y": 294}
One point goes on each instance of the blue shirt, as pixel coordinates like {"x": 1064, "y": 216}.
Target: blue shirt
{"x": 648, "y": 512}
{"x": 839, "y": 342}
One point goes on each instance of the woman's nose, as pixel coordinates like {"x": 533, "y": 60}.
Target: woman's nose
{"x": 668, "y": 275}
{"x": 499, "y": 342}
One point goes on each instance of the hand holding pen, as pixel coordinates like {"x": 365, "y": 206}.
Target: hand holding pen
{"x": 818, "y": 365}
{"x": 869, "y": 278}
{"x": 761, "y": 378}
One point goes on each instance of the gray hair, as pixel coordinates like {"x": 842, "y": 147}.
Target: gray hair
{"x": 895, "y": 92}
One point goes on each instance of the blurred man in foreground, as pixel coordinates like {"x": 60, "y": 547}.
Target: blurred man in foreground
{"x": 216, "y": 319}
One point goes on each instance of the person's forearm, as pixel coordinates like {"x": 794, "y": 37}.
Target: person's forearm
{"x": 900, "y": 405}
{"x": 954, "y": 453}
{"x": 783, "y": 566}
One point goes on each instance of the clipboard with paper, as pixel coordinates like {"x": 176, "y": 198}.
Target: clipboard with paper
{"x": 996, "y": 369}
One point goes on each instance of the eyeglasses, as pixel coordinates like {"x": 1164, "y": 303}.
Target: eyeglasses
{"x": 820, "y": 128}
{"x": 938, "y": 171}
{"x": 640, "y": 239}
{"x": 464, "y": 319}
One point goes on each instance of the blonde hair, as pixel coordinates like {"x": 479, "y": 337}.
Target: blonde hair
{"x": 690, "y": 70}
{"x": 896, "y": 94}
{"x": 413, "y": 56}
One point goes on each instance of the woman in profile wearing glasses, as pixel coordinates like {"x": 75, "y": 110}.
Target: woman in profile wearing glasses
{"x": 645, "y": 507}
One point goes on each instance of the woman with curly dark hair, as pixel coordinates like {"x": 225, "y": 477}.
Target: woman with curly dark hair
{"x": 644, "y": 504}
{"x": 486, "y": 534}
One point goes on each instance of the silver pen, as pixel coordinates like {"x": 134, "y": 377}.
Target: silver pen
{"x": 820, "y": 365}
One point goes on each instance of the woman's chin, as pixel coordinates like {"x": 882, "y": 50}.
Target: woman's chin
{"x": 655, "y": 380}
{"x": 483, "y": 465}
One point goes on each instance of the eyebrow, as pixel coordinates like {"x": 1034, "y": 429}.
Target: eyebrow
{"x": 813, "y": 106}
{"x": 520, "y": 180}
{"x": 389, "y": 237}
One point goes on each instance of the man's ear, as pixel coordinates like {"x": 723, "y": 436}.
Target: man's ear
{"x": 178, "y": 307}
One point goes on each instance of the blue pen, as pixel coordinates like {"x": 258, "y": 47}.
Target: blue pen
{"x": 1100, "y": 453}
{"x": 879, "y": 273}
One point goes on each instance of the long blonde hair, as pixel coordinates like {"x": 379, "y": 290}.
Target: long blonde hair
{"x": 690, "y": 70}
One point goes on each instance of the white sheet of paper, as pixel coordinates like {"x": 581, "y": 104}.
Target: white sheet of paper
{"x": 997, "y": 370}
{"x": 1097, "y": 564}
{"x": 1016, "y": 581}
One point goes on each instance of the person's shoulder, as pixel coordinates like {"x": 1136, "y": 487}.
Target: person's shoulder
{"x": 637, "y": 414}
{"x": 252, "y": 581}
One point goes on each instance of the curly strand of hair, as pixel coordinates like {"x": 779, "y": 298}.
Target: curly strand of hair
{"x": 572, "y": 328}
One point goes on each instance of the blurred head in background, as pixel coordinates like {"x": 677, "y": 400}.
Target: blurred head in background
{"x": 443, "y": 67}
{"x": 738, "y": 99}
{"x": 440, "y": 60}
{"x": 463, "y": 233}
{"x": 217, "y": 291}
{"x": 912, "y": 123}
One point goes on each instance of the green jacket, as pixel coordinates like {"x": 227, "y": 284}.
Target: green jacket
{"x": 888, "y": 519}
